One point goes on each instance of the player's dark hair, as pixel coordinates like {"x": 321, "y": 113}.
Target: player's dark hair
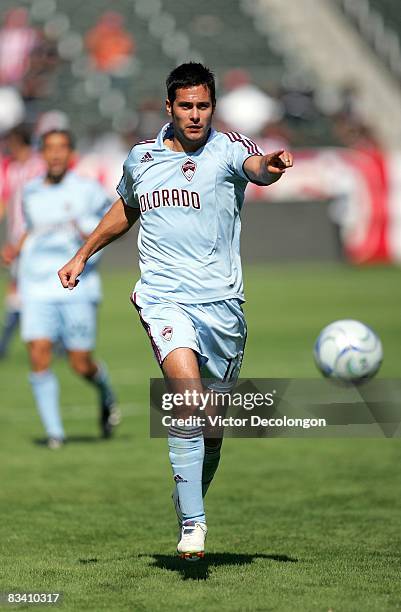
{"x": 66, "y": 133}
{"x": 190, "y": 74}
{"x": 21, "y": 132}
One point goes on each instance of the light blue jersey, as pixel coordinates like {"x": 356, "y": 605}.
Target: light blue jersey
{"x": 189, "y": 239}
{"x": 56, "y": 216}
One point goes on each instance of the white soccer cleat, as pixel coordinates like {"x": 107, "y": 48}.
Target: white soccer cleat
{"x": 55, "y": 443}
{"x": 191, "y": 547}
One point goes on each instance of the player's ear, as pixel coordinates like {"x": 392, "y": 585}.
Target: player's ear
{"x": 169, "y": 107}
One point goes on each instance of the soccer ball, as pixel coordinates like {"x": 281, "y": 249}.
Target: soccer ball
{"x": 348, "y": 350}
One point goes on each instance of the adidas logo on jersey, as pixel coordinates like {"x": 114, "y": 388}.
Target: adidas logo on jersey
{"x": 146, "y": 158}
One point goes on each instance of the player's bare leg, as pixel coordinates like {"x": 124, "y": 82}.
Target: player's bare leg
{"x": 46, "y": 390}
{"x": 186, "y": 453}
{"x": 40, "y": 354}
{"x": 84, "y": 365}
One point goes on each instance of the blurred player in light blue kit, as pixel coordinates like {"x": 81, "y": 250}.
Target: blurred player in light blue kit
{"x": 60, "y": 209}
{"x": 187, "y": 186}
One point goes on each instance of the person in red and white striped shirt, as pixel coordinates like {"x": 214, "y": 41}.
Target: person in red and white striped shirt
{"x": 22, "y": 165}
{"x": 17, "y": 40}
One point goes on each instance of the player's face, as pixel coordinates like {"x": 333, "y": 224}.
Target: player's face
{"x": 191, "y": 113}
{"x": 57, "y": 153}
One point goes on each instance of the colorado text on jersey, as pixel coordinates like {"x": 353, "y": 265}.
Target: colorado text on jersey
{"x": 169, "y": 197}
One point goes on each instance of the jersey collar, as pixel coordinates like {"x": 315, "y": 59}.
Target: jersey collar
{"x": 66, "y": 179}
{"x": 168, "y": 129}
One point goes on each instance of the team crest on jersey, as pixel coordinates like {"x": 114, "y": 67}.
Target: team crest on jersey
{"x": 167, "y": 333}
{"x": 188, "y": 169}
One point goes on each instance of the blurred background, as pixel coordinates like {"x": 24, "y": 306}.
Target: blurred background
{"x": 321, "y": 79}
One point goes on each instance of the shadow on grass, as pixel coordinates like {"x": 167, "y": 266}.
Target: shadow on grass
{"x": 84, "y": 439}
{"x": 70, "y": 440}
{"x": 199, "y": 570}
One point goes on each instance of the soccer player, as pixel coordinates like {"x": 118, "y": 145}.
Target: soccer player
{"x": 187, "y": 186}
{"x": 23, "y": 165}
{"x": 60, "y": 209}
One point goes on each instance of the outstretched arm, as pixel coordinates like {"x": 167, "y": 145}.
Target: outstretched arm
{"x": 267, "y": 169}
{"x": 116, "y": 222}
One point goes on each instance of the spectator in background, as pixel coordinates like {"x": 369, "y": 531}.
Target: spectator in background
{"x": 22, "y": 165}
{"x": 351, "y": 102}
{"x": 299, "y": 104}
{"x": 12, "y": 109}
{"x": 244, "y": 107}
{"x": 355, "y": 134}
{"x": 44, "y": 60}
{"x": 349, "y": 124}
{"x": 17, "y": 41}
{"x": 277, "y": 136}
{"x": 109, "y": 45}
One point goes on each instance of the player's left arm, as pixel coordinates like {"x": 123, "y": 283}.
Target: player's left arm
{"x": 10, "y": 252}
{"x": 267, "y": 169}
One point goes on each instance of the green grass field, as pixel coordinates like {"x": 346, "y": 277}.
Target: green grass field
{"x": 294, "y": 525}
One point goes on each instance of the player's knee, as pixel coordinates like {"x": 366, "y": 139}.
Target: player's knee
{"x": 82, "y": 364}
{"x": 39, "y": 355}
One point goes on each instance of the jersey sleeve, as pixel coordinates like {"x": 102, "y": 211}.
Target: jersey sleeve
{"x": 239, "y": 149}
{"x": 126, "y": 186}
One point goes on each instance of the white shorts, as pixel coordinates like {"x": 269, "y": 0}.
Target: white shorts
{"x": 74, "y": 324}
{"x": 216, "y": 331}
